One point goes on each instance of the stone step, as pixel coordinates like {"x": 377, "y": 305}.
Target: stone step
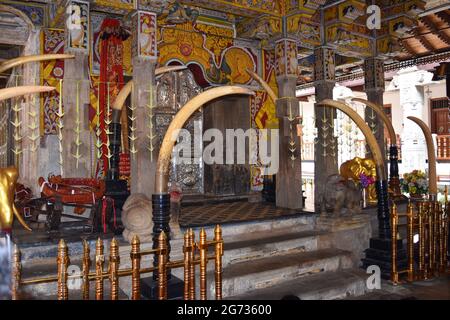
{"x": 270, "y": 271}
{"x": 322, "y": 286}
{"x": 299, "y": 222}
{"x": 263, "y": 244}
{"x": 45, "y": 252}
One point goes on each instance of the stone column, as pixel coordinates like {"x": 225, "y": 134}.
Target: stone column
{"x": 76, "y": 89}
{"x": 374, "y": 87}
{"x": 289, "y": 176}
{"x": 325, "y": 150}
{"x": 410, "y": 82}
{"x": 143, "y": 162}
{"x": 30, "y": 113}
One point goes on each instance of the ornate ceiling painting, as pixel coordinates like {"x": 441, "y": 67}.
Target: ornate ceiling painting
{"x": 210, "y": 47}
{"x": 218, "y": 40}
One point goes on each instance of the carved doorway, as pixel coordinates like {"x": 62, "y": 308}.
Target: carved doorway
{"x": 174, "y": 90}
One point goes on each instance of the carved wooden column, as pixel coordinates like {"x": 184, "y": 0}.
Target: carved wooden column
{"x": 289, "y": 176}
{"x": 374, "y": 87}
{"x": 76, "y": 133}
{"x": 325, "y": 150}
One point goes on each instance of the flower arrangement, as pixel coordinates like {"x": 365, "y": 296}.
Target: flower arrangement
{"x": 414, "y": 183}
{"x": 366, "y": 180}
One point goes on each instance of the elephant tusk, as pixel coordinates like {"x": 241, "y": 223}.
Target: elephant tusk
{"x": 20, "y": 218}
{"x": 264, "y": 84}
{"x": 19, "y": 91}
{"x": 165, "y": 152}
{"x": 379, "y": 111}
{"x": 122, "y": 96}
{"x": 370, "y": 138}
{"x": 126, "y": 90}
{"x": 8, "y": 64}
{"x": 161, "y": 70}
{"x": 431, "y": 155}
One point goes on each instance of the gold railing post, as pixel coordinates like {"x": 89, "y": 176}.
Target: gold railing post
{"x": 410, "y": 241}
{"x": 203, "y": 261}
{"x": 114, "y": 261}
{"x": 86, "y": 268}
{"x": 441, "y": 241}
{"x": 394, "y": 223}
{"x": 99, "y": 261}
{"x": 187, "y": 265}
{"x": 431, "y": 239}
{"x": 16, "y": 273}
{"x": 135, "y": 256}
{"x": 162, "y": 268}
{"x": 446, "y": 227}
{"x": 218, "y": 261}
{"x": 421, "y": 214}
{"x": 192, "y": 265}
{"x": 62, "y": 261}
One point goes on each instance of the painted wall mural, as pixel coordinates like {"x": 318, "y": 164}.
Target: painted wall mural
{"x": 144, "y": 44}
{"x": 208, "y": 50}
{"x": 36, "y": 12}
{"x": 78, "y": 26}
{"x": 52, "y": 41}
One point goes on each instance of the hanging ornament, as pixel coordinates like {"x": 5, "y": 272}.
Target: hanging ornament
{"x": 151, "y": 136}
{"x": 77, "y": 130}
{"x": 60, "y": 127}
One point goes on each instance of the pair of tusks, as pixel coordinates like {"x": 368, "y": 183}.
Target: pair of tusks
{"x": 165, "y": 152}
{"x": 379, "y": 111}
{"x": 8, "y": 64}
{"x": 432, "y": 188}
{"x": 12, "y": 92}
{"x": 370, "y": 138}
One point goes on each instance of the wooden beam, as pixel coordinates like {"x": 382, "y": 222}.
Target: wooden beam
{"x": 425, "y": 43}
{"x": 439, "y": 33}
{"x": 404, "y": 43}
{"x": 444, "y": 16}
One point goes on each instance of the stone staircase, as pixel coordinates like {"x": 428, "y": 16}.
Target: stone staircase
{"x": 270, "y": 265}
{"x": 262, "y": 260}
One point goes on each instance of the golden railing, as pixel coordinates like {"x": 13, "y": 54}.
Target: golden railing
{"x": 427, "y": 236}
{"x": 195, "y": 253}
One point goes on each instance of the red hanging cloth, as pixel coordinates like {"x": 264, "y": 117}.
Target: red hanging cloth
{"x": 111, "y": 75}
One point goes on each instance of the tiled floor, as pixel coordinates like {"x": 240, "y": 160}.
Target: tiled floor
{"x": 200, "y": 215}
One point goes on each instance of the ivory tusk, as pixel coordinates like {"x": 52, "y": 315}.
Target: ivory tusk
{"x": 165, "y": 152}
{"x": 370, "y": 138}
{"x": 431, "y": 155}
{"x": 264, "y": 84}
{"x": 8, "y": 64}
{"x": 19, "y": 91}
{"x": 165, "y": 69}
{"x": 126, "y": 90}
{"x": 379, "y": 111}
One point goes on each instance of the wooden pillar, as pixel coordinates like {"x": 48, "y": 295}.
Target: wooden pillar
{"x": 289, "y": 176}
{"x": 143, "y": 161}
{"x": 326, "y": 149}
{"x": 76, "y": 134}
{"x": 374, "y": 87}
